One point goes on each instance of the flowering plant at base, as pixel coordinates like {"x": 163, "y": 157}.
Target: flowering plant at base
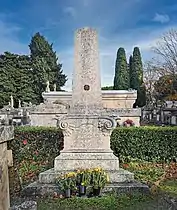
{"x": 96, "y": 177}
{"x": 84, "y": 177}
{"x": 128, "y": 123}
{"x": 67, "y": 181}
{"x": 99, "y": 178}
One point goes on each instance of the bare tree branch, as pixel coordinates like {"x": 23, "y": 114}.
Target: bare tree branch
{"x": 166, "y": 48}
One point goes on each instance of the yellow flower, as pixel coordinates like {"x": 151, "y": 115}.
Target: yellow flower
{"x": 107, "y": 178}
{"x": 99, "y": 169}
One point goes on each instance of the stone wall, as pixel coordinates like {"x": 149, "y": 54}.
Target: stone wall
{"x": 110, "y": 98}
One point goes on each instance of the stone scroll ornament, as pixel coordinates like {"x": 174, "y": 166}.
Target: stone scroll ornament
{"x": 107, "y": 124}
{"x": 64, "y": 125}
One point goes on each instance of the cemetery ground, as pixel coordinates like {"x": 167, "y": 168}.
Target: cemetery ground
{"x": 160, "y": 177}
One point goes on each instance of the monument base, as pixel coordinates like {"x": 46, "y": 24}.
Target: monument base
{"x": 67, "y": 162}
{"x": 82, "y": 159}
{"x": 116, "y": 176}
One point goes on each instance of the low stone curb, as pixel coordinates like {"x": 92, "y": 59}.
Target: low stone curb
{"x": 27, "y": 205}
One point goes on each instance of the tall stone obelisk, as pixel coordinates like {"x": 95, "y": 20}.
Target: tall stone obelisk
{"x": 86, "y": 93}
{"x": 86, "y": 127}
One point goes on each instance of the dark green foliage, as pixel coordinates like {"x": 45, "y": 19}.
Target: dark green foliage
{"x": 45, "y": 65}
{"x": 136, "y": 77}
{"x": 39, "y": 143}
{"x": 107, "y": 88}
{"x": 137, "y": 66}
{"x": 145, "y": 143}
{"x": 121, "y": 78}
{"x": 131, "y": 71}
{"x": 141, "y": 96}
{"x": 15, "y": 78}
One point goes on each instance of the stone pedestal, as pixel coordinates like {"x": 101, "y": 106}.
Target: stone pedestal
{"x": 6, "y": 134}
{"x": 86, "y": 145}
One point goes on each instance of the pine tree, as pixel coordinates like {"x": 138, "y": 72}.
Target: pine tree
{"x": 45, "y": 65}
{"x": 121, "y": 78}
{"x": 136, "y": 78}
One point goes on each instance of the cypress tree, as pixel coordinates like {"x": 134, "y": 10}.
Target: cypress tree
{"x": 136, "y": 81}
{"x": 121, "y": 78}
{"x": 131, "y": 71}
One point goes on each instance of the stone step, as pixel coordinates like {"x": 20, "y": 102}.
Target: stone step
{"x": 116, "y": 176}
{"x": 42, "y": 190}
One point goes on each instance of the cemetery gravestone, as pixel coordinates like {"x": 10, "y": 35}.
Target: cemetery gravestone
{"x": 86, "y": 127}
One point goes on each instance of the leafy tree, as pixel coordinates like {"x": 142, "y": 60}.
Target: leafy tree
{"x": 166, "y": 87}
{"x": 15, "y": 79}
{"x": 121, "y": 78}
{"x": 45, "y": 65}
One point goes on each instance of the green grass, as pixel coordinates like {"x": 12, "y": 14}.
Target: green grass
{"x": 169, "y": 186}
{"x": 109, "y": 202}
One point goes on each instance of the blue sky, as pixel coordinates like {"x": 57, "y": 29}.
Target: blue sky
{"x": 120, "y": 23}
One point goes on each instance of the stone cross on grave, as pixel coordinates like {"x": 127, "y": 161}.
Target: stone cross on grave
{"x": 86, "y": 127}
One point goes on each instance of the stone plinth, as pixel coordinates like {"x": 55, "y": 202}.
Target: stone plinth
{"x": 116, "y": 176}
{"x": 6, "y": 134}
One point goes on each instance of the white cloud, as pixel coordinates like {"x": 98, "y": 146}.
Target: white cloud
{"x": 161, "y": 18}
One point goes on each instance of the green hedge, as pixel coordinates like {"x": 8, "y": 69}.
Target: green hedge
{"x": 145, "y": 143}
{"x": 34, "y": 150}
{"x": 36, "y": 143}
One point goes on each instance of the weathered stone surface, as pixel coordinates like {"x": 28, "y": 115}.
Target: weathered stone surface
{"x": 86, "y": 95}
{"x": 116, "y": 176}
{"x": 111, "y": 99}
{"x": 42, "y": 190}
{"x": 27, "y": 205}
{"x": 6, "y": 133}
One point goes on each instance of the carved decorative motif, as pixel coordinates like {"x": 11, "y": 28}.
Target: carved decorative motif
{"x": 64, "y": 125}
{"x": 107, "y": 124}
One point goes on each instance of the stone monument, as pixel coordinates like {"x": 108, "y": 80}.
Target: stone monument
{"x": 86, "y": 127}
